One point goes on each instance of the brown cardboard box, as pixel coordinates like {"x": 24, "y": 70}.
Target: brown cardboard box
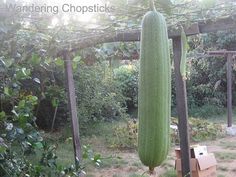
{"x": 202, "y": 164}
{"x": 195, "y": 151}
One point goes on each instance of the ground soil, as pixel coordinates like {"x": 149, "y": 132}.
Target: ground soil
{"x": 127, "y": 164}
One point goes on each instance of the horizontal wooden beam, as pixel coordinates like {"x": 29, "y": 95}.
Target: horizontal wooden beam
{"x": 134, "y": 35}
{"x": 221, "y": 53}
{"x": 128, "y": 36}
{"x": 217, "y": 25}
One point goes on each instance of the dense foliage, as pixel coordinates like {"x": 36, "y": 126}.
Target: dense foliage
{"x": 100, "y": 97}
{"x": 125, "y": 135}
{"x": 127, "y": 78}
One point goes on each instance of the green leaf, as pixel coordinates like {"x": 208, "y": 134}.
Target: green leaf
{"x": 59, "y": 62}
{"x": 55, "y": 102}
{"x": 6, "y": 91}
{"x": 34, "y": 99}
{"x": 35, "y": 59}
{"x": 15, "y": 113}
{"x": 74, "y": 65}
{"x": 21, "y": 104}
{"x": 2, "y": 116}
{"x": 2, "y": 149}
{"x": 8, "y": 62}
{"x": 77, "y": 59}
{"x": 97, "y": 157}
{"x": 22, "y": 121}
{"x": 38, "y": 145}
{"x": 23, "y": 73}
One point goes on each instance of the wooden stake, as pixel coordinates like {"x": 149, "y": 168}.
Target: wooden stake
{"x": 229, "y": 89}
{"x": 72, "y": 107}
{"x": 181, "y": 99}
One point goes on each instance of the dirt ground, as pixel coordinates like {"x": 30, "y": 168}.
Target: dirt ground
{"x": 127, "y": 163}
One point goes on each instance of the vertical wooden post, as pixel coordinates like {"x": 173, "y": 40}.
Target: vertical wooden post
{"x": 72, "y": 107}
{"x": 181, "y": 100}
{"x": 229, "y": 89}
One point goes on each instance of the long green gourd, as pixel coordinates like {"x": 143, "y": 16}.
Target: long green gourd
{"x": 184, "y": 50}
{"x": 154, "y": 97}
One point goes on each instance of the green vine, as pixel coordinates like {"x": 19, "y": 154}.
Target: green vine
{"x": 152, "y": 5}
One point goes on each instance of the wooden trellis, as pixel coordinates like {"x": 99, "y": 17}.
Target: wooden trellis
{"x": 229, "y": 56}
{"x": 181, "y": 95}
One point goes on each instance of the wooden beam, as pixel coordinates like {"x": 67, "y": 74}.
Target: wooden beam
{"x": 190, "y": 30}
{"x": 72, "y": 107}
{"x": 217, "y": 25}
{"x": 182, "y": 110}
{"x": 229, "y": 89}
{"x": 221, "y": 52}
{"x": 128, "y": 36}
{"x": 134, "y": 35}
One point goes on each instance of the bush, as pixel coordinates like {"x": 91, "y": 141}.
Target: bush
{"x": 125, "y": 135}
{"x": 206, "y": 97}
{"x": 199, "y": 130}
{"x": 99, "y": 97}
{"x": 19, "y": 138}
{"x": 127, "y": 78}
{"x": 205, "y": 130}
{"x": 206, "y": 111}
{"x": 207, "y": 84}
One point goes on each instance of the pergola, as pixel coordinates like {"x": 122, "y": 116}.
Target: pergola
{"x": 181, "y": 95}
{"x": 229, "y": 56}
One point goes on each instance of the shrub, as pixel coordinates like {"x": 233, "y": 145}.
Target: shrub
{"x": 99, "y": 97}
{"x": 125, "y": 135}
{"x": 127, "y": 78}
{"x": 206, "y": 111}
{"x": 205, "y": 130}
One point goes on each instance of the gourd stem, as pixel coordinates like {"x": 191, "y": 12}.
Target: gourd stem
{"x": 152, "y": 5}
{"x": 151, "y": 170}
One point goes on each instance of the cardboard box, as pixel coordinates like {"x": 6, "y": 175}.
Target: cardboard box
{"x": 202, "y": 163}
{"x": 195, "y": 151}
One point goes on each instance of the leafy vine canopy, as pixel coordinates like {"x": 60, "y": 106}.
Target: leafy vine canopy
{"x": 48, "y": 27}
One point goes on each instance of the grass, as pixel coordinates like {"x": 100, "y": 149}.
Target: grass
{"x": 223, "y": 168}
{"x": 113, "y": 162}
{"x": 225, "y": 156}
{"x": 137, "y": 175}
{"x": 212, "y": 113}
{"x": 228, "y": 145}
{"x": 206, "y": 111}
{"x": 221, "y": 117}
{"x": 96, "y": 136}
{"x": 169, "y": 173}
{"x": 137, "y": 164}
{"x": 65, "y": 153}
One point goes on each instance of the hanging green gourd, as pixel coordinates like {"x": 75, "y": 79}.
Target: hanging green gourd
{"x": 154, "y": 97}
{"x": 184, "y": 49}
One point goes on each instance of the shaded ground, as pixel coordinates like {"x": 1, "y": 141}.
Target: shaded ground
{"x": 127, "y": 164}
{"x": 225, "y": 152}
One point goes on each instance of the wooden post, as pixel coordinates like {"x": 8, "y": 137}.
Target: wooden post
{"x": 181, "y": 100}
{"x": 229, "y": 89}
{"x": 229, "y": 57}
{"x": 72, "y": 107}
